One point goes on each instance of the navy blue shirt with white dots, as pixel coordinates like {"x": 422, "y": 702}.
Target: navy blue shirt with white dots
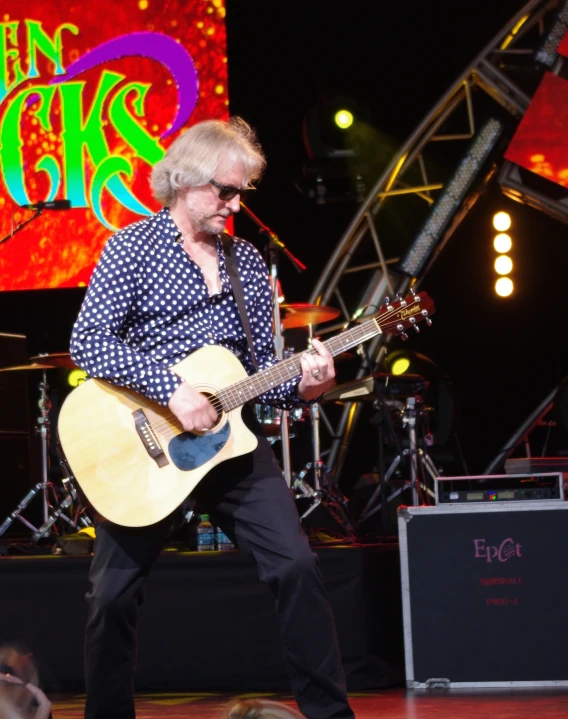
{"x": 147, "y": 307}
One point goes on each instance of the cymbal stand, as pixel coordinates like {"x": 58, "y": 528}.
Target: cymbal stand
{"x": 417, "y": 458}
{"x": 323, "y": 491}
{"x": 41, "y": 488}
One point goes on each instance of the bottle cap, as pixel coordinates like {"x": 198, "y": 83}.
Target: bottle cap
{"x": 204, "y": 517}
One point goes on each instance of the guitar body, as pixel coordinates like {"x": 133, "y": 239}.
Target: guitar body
{"x": 108, "y": 435}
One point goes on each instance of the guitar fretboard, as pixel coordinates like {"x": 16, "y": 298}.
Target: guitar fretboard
{"x": 237, "y": 394}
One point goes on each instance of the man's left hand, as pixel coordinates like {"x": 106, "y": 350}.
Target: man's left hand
{"x": 318, "y": 372}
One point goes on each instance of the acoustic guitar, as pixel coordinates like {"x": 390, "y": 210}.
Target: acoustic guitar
{"x": 131, "y": 457}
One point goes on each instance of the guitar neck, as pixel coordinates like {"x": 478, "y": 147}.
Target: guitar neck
{"x": 239, "y": 393}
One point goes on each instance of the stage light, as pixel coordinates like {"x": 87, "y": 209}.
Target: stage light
{"x": 504, "y": 287}
{"x": 452, "y": 197}
{"x": 502, "y": 221}
{"x": 503, "y": 265}
{"x": 398, "y": 362}
{"x": 400, "y": 365}
{"x": 76, "y": 377}
{"x": 343, "y": 119}
{"x": 502, "y": 243}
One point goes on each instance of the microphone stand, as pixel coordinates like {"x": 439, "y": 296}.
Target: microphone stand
{"x": 273, "y": 247}
{"x": 22, "y": 225}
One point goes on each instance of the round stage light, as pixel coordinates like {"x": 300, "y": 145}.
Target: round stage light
{"x": 502, "y": 243}
{"x": 343, "y": 119}
{"x": 504, "y": 287}
{"x": 502, "y": 221}
{"x": 503, "y": 265}
{"x": 400, "y": 365}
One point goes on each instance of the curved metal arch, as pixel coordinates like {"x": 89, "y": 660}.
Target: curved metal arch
{"x": 491, "y": 71}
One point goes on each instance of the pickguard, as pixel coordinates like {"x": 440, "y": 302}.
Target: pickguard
{"x": 189, "y": 451}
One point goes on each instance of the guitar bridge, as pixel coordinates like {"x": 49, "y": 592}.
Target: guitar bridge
{"x": 149, "y": 439}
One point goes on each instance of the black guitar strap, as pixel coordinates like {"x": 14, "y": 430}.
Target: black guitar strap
{"x": 237, "y": 286}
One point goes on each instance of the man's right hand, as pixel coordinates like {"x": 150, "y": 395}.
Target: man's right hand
{"x": 192, "y": 408}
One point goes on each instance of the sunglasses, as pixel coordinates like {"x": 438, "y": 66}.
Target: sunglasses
{"x": 226, "y": 192}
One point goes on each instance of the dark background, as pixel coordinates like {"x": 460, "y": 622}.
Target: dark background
{"x": 502, "y": 357}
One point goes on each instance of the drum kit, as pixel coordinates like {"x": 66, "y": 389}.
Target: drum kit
{"x": 60, "y": 505}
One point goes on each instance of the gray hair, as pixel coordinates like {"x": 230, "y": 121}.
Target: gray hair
{"x": 194, "y": 157}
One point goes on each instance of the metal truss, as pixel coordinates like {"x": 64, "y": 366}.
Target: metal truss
{"x": 360, "y": 272}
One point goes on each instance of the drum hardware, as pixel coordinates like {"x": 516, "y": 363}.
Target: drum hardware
{"x": 323, "y": 490}
{"x": 42, "y": 428}
{"x": 419, "y": 463}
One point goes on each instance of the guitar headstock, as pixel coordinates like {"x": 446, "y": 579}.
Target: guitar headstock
{"x": 405, "y": 312}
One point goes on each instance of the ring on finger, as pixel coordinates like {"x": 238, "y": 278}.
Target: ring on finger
{"x": 316, "y": 373}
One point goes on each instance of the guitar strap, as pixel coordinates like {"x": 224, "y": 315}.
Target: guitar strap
{"x": 237, "y": 286}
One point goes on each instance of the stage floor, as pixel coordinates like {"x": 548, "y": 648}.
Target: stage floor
{"x": 383, "y": 704}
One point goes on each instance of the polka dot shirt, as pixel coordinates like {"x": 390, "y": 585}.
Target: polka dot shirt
{"x": 147, "y": 307}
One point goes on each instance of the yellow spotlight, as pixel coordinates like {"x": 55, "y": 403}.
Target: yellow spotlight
{"x": 400, "y": 365}
{"x": 502, "y": 243}
{"x": 503, "y": 265}
{"x": 76, "y": 377}
{"x": 343, "y": 119}
{"x": 504, "y": 287}
{"x": 502, "y": 221}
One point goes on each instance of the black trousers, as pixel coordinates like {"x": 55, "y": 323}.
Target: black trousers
{"x": 249, "y": 499}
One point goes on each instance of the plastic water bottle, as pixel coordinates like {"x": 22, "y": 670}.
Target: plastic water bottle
{"x": 223, "y": 542}
{"x": 205, "y": 535}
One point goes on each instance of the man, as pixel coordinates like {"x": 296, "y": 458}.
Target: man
{"x": 160, "y": 291}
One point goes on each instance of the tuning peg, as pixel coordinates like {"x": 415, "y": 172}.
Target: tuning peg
{"x": 417, "y": 329}
{"x": 403, "y": 336}
{"x": 428, "y": 321}
{"x": 386, "y": 300}
{"x": 400, "y": 299}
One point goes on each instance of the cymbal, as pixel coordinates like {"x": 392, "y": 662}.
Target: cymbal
{"x": 59, "y": 360}
{"x": 30, "y": 366}
{"x": 302, "y": 314}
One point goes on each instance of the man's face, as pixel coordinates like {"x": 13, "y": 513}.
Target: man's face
{"x": 205, "y": 209}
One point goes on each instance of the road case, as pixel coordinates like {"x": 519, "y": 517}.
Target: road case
{"x": 485, "y": 594}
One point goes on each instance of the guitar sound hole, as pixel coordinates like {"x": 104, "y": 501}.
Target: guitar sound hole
{"x": 217, "y": 405}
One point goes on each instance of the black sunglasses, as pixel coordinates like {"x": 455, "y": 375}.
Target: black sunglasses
{"x": 226, "y": 192}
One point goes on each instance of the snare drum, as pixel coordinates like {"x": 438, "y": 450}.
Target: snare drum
{"x": 271, "y": 419}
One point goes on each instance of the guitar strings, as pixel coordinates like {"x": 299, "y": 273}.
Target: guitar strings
{"x": 169, "y": 423}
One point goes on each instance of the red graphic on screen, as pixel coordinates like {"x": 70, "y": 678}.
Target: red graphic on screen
{"x": 94, "y": 136}
{"x": 540, "y": 143}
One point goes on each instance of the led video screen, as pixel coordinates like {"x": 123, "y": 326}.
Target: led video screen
{"x": 540, "y": 143}
{"x": 91, "y": 95}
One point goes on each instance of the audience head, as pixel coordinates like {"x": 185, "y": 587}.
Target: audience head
{"x": 259, "y": 709}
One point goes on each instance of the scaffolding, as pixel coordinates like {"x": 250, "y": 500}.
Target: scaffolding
{"x": 437, "y": 175}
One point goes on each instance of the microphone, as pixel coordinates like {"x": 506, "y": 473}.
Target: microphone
{"x": 51, "y": 205}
